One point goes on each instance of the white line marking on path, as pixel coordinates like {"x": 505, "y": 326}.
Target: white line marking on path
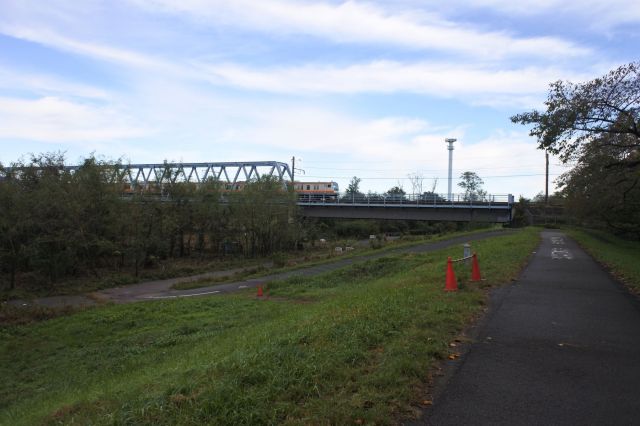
{"x": 182, "y": 295}
{"x": 243, "y": 286}
{"x": 561, "y": 254}
{"x": 557, "y": 241}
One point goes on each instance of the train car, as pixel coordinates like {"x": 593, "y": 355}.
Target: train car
{"x": 306, "y": 191}
{"x": 316, "y": 191}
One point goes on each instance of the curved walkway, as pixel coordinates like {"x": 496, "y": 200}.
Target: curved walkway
{"x": 161, "y": 289}
{"x": 560, "y": 347}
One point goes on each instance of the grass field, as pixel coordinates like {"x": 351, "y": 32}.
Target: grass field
{"x": 328, "y": 256}
{"x": 184, "y": 267}
{"x": 621, "y": 256}
{"x": 351, "y": 346}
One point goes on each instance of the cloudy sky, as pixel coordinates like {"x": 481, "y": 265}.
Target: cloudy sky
{"x": 365, "y": 88}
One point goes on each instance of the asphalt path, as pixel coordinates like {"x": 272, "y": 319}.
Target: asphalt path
{"x": 161, "y": 289}
{"x": 561, "y": 346}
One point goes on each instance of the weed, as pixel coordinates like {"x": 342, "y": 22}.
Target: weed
{"x": 619, "y": 255}
{"x": 359, "y": 353}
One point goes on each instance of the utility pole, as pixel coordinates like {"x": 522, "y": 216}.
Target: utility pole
{"x": 546, "y": 183}
{"x": 450, "y": 141}
{"x": 293, "y": 169}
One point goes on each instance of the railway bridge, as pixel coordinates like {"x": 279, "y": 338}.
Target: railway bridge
{"x": 427, "y": 206}
{"x": 458, "y": 208}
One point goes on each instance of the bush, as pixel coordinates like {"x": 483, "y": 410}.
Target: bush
{"x": 279, "y": 260}
{"x": 356, "y": 228}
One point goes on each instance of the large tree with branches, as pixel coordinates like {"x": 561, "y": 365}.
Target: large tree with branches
{"x": 596, "y": 126}
{"x": 604, "y": 111}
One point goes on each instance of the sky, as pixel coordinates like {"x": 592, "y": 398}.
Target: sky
{"x": 350, "y": 88}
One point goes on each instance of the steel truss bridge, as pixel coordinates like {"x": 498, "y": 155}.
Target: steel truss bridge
{"x": 490, "y": 208}
{"x": 144, "y": 175}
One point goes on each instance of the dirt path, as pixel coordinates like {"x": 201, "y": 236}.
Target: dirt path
{"x": 161, "y": 289}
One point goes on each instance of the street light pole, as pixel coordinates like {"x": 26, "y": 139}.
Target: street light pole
{"x": 450, "y": 141}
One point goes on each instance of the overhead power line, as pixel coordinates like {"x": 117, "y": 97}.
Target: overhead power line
{"x": 429, "y": 178}
{"x": 519, "y": 167}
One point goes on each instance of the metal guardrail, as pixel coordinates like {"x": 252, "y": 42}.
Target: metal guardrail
{"x": 422, "y": 200}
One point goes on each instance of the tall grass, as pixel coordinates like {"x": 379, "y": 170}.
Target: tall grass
{"x": 350, "y": 346}
{"x": 621, "y": 256}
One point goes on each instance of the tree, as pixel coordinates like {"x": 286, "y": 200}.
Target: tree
{"x": 472, "y": 185}
{"x": 354, "y": 186}
{"x": 396, "y": 190}
{"x": 13, "y": 232}
{"x": 522, "y": 215}
{"x": 57, "y": 221}
{"x": 417, "y": 182}
{"x": 395, "y": 194}
{"x": 263, "y": 215}
{"x": 599, "y": 195}
{"x": 98, "y": 209}
{"x": 555, "y": 199}
{"x": 584, "y": 113}
{"x": 596, "y": 125}
{"x": 432, "y": 197}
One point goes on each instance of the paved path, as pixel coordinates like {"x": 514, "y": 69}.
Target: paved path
{"x": 154, "y": 290}
{"x": 560, "y": 347}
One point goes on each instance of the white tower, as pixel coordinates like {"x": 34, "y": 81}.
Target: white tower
{"x": 450, "y": 141}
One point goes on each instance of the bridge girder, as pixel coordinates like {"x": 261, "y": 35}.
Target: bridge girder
{"x": 449, "y": 213}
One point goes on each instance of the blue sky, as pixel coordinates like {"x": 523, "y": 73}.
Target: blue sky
{"x": 366, "y": 88}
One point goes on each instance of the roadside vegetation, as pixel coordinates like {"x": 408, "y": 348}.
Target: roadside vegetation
{"x": 354, "y": 345}
{"x": 620, "y": 256}
{"x": 68, "y": 233}
{"x": 61, "y": 229}
{"x": 593, "y": 126}
{"x": 320, "y": 256}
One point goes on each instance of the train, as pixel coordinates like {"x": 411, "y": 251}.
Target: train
{"x": 326, "y": 191}
{"x": 310, "y": 191}
{"x": 316, "y": 191}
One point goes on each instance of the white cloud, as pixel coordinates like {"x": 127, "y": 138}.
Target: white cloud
{"x": 99, "y": 51}
{"x": 319, "y": 130}
{"x": 580, "y": 15}
{"x": 43, "y": 84}
{"x": 492, "y": 83}
{"x": 600, "y": 14}
{"x": 384, "y": 151}
{"x": 55, "y": 120}
{"x": 178, "y": 94}
{"x": 359, "y": 22}
{"x": 508, "y": 162}
{"x": 471, "y": 83}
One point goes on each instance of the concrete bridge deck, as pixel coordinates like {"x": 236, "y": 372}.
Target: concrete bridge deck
{"x": 493, "y": 209}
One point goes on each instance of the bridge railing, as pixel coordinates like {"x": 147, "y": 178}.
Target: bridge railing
{"x": 428, "y": 199}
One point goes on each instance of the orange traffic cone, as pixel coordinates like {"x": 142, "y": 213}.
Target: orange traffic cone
{"x": 452, "y": 283}
{"x": 259, "y": 291}
{"x": 475, "y": 269}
